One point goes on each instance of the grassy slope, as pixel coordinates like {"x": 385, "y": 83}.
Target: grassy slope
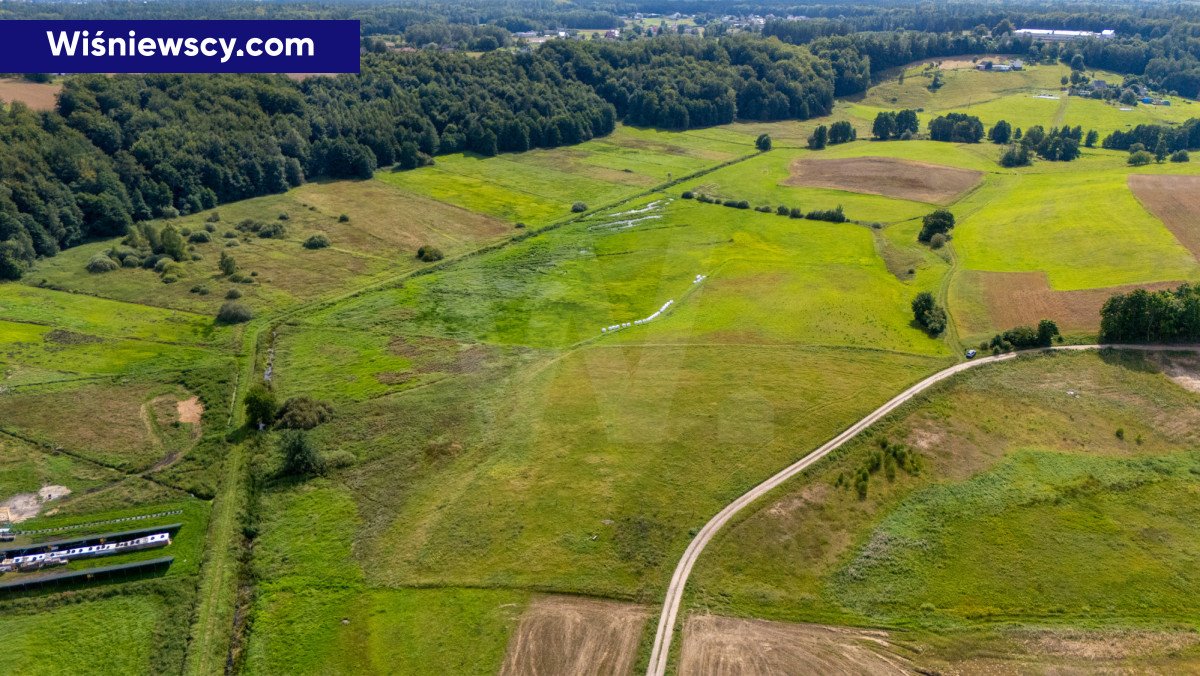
{"x": 1022, "y": 487}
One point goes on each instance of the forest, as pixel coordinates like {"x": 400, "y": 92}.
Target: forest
{"x": 123, "y": 149}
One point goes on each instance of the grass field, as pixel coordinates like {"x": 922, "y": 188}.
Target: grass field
{"x": 538, "y": 187}
{"x": 1030, "y": 472}
{"x": 490, "y": 442}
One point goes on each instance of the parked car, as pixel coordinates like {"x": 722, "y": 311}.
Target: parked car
{"x": 971, "y": 354}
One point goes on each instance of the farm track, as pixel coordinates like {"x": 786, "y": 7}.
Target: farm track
{"x": 661, "y": 650}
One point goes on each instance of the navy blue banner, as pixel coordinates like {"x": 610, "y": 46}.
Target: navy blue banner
{"x": 179, "y": 46}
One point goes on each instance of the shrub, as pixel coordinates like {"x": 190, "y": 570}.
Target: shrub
{"x": 101, "y": 263}
{"x": 340, "y": 459}
{"x": 316, "y": 242}
{"x": 730, "y": 203}
{"x": 185, "y": 231}
{"x": 764, "y": 209}
{"x": 300, "y": 457}
{"x": 250, "y": 225}
{"x": 704, "y": 198}
{"x": 233, "y": 242}
{"x": 228, "y": 264}
{"x": 170, "y": 212}
{"x": 214, "y": 217}
{"x": 233, "y": 294}
{"x": 343, "y": 219}
{"x": 782, "y": 210}
{"x": 260, "y": 406}
{"x": 130, "y": 262}
{"x": 199, "y": 290}
{"x": 1180, "y": 156}
{"x": 579, "y": 207}
{"x": 283, "y": 216}
{"x": 273, "y": 231}
{"x": 303, "y": 413}
{"x": 199, "y": 237}
{"x": 938, "y": 241}
{"x": 1140, "y": 158}
{"x": 429, "y": 254}
{"x": 831, "y": 215}
{"x": 234, "y": 313}
{"x": 519, "y": 226}
{"x": 796, "y": 213}
{"x": 210, "y": 228}
{"x": 151, "y": 261}
{"x": 688, "y": 194}
{"x": 161, "y": 265}
{"x": 229, "y": 234}
{"x": 742, "y": 204}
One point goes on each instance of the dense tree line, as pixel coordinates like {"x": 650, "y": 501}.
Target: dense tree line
{"x": 1143, "y": 316}
{"x": 677, "y": 82}
{"x": 956, "y": 128}
{"x": 1183, "y": 137}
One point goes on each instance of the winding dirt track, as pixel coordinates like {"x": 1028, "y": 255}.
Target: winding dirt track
{"x": 661, "y": 652}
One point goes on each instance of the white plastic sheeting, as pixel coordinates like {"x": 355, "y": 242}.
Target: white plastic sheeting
{"x": 639, "y": 322}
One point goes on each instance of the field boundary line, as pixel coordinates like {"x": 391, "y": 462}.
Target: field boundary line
{"x": 660, "y": 653}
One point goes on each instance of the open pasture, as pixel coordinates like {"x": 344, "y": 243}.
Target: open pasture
{"x": 915, "y": 181}
{"x": 769, "y": 278}
{"x": 100, "y": 317}
{"x": 538, "y": 187}
{"x": 385, "y": 227}
{"x": 1083, "y": 228}
{"x": 766, "y": 181}
{"x": 604, "y": 460}
{"x": 1029, "y": 472}
{"x": 131, "y": 430}
{"x": 33, "y": 353}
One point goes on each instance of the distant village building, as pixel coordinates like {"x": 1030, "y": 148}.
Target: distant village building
{"x": 1015, "y": 64}
{"x": 1047, "y": 35}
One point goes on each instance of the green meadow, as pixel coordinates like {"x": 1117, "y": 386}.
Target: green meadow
{"x": 490, "y": 441}
{"x": 1030, "y": 472}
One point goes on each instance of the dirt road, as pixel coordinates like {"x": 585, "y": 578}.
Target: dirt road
{"x": 661, "y": 651}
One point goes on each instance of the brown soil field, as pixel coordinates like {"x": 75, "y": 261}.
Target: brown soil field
{"x": 1175, "y": 200}
{"x": 560, "y": 635}
{"x": 719, "y": 646}
{"x": 1070, "y": 652}
{"x": 38, "y": 96}
{"x": 1015, "y": 298}
{"x": 918, "y": 181}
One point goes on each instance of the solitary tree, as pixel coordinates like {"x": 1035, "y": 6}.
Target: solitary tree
{"x": 939, "y": 221}
{"x": 928, "y": 314}
{"x": 1092, "y": 137}
{"x": 300, "y": 457}
{"x": 763, "y": 142}
{"x": 1077, "y": 63}
{"x": 1001, "y": 133}
{"x": 885, "y": 125}
{"x": 1047, "y": 331}
{"x": 819, "y": 138}
{"x": 260, "y": 406}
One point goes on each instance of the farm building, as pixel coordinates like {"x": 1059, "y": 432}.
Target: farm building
{"x": 1048, "y": 35}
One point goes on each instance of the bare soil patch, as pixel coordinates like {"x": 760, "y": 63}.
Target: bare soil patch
{"x": 566, "y": 635}
{"x": 1014, "y": 298}
{"x": 190, "y": 410}
{"x": 715, "y": 645}
{"x": 36, "y": 95}
{"x": 25, "y": 506}
{"x": 1183, "y": 369}
{"x": 1175, "y": 200}
{"x": 918, "y": 181}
